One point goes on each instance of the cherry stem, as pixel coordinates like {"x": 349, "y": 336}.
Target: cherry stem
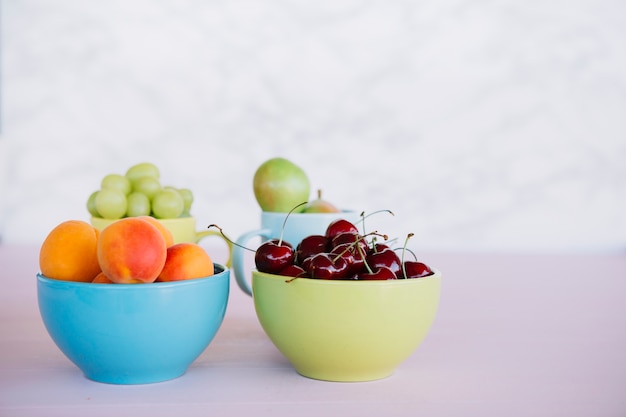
{"x": 363, "y": 216}
{"x": 357, "y": 239}
{"x": 280, "y": 240}
{"x": 408, "y": 250}
{"x": 229, "y": 239}
{"x": 353, "y": 244}
{"x": 406, "y": 241}
{"x": 388, "y": 242}
{"x": 293, "y": 278}
{"x": 367, "y": 266}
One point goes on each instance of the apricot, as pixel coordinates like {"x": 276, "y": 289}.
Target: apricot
{"x": 186, "y": 261}
{"x": 167, "y": 235}
{"x": 69, "y": 252}
{"x": 131, "y": 250}
{"x": 101, "y": 278}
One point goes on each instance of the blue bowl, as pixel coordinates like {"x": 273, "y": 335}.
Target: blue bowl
{"x": 134, "y": 333}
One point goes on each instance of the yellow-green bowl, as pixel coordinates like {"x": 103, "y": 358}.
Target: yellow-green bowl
{"x": 346, "y": 330}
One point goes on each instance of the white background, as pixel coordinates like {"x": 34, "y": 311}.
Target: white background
{"x": 484, "y": 126}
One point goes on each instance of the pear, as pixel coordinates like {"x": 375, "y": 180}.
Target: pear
{"x": 319, "y": 205}
{"x": 280, "y": 185}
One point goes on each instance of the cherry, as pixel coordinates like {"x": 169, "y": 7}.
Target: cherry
{"x": 380, "y": 273}
{"x": 385, "y": 257}
{"x": 379, "y": 247}
{"x": 349, "y": 237}
{"x": 273, "y": 256}
{"x": 351, "y": 254}
{"x": 327, "y": 266}
{"x": 293, "y": 271}
{"x": 311, "y": 245}
{"x": 414, "y": 269}
{"x": 340, "y": 226}
{"x": 305, "y": 263}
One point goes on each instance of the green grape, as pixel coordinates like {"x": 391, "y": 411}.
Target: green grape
{"x": 117, "y": 182}
{"x": 167, "y": 204}
{"x": 111, "y": 203}
{"x": 91, "y": 205}
{"x": 149, "y": 186}
{"x": 143, "y": 169}
{"x": 187, "y": 198}
{"x": 138, "y": 205}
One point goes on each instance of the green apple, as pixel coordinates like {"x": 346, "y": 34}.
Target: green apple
{"x": 280, "y": 185}
{"x": 319, "y": 205}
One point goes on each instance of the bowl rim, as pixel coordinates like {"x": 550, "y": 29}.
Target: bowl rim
{"x": 436, "y": 275}
{"x": 220, "y": 273}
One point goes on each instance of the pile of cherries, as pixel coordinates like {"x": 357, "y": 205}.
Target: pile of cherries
{"x": 342, "y": 253}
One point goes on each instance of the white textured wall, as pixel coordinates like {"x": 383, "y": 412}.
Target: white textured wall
{"x": 482, "y": 125}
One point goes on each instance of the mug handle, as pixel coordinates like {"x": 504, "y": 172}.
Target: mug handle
{"x": 206, "y": 233}
{"x": 239, "y": 257}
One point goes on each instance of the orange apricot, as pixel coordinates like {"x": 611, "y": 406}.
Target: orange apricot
{"x": 167, "y": 235}
{"x": 186, "y": 261}
{"x": 69, "y": 252}
{"x": 101, "y": 278}
{"x": 131, "y": 250}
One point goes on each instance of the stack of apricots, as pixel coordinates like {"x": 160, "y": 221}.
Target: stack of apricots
{"x": 132, "y": 250}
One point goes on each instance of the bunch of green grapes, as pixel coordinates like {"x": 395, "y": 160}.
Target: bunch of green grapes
{"x": 138, "y": 193}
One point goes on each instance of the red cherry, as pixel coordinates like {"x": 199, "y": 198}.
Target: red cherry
{"x": 414, "y": 269}
{"x": 379, "y": 247}
{"x": 378, "y": 274}
{"x": 340, "y": 226}
{"x": 351, "y": 254}
{"x": 387, "y": 258}
{"x": 304, "y": 264}
{"x": 293, "y": 271}
{"x": 311, "y": 245}
{"x": 326, "y": 266}
{"x": 273, "y": 256}
{"x": 350, "y": 237}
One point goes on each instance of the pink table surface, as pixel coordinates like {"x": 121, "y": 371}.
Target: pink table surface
{"x": 515, "y": 335}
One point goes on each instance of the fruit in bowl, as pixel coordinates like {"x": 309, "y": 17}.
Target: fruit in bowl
{"x": 122, "y": 305}
{"x": 132, "y": 250}
{"x": 138, "y": 192}
{"x": 342, "y": 330}
{"x": 320, "y": 205}
{"x": 341, "y": 253}
{"x": 130, "y": 333}
{"x": 281, "y": 186}
{"x": 342, "y": 306}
